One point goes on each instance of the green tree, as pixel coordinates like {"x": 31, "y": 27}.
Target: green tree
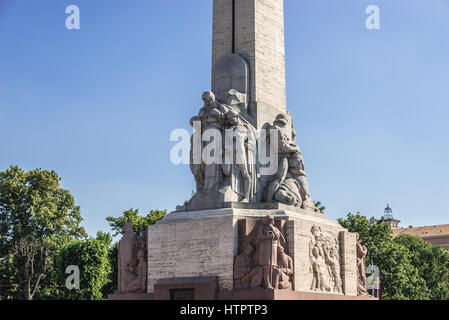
{"x": 8, "y": 286}
{"x": 320, "y": 206}
{"x": 37, "y": 216}
{"x": 112, "y": 286}
{"x": 140, "y": 223}
{"x": 91, "y": 257}
{"x": 432, "y": 263}
{"x": 401, "y": 279}
{"x": 374, "y": 233}
{"x": 105, "y": 237}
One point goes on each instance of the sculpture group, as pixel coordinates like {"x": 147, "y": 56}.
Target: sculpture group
{"x": 225, "y": 150}
{"x": 324, "y": 251}
{"x": 263, "y": 262}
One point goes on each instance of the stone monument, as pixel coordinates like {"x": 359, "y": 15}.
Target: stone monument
{"x": 252, "y": 230}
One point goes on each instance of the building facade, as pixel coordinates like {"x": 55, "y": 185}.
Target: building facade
{"x": 437, "y": 235}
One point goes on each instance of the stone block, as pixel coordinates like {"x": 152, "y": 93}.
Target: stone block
{"x": 205, "y": 243}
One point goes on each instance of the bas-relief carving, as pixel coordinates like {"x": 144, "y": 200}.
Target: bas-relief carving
{"x": 132, "y": 262}
{"x": 361, "y": 268}
{"x": 263, "y": 262}
{"x": 325, "y": 258}
{"x": 247, "y": 274}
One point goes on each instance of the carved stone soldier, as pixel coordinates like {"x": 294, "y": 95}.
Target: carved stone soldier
{"x": 211, "y": 117}
{"x": 268, "y": 240}
{"x": 290, "y": 184}
{"x": 240, "y": 160}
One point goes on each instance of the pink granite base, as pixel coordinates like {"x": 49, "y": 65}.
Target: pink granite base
{"x": 130, "y": 296}
{"x": 250, "y": 295}
{"x": 285, "y": 295}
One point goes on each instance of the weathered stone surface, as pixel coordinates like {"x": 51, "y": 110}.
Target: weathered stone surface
{"x": 229, "y": 72}
{"x": 205, "y": 243}
{"x": 199, "y": 247}
{"x": 261, "y": 295}
{"x": 349, "y": 262}
{"x": 259, "y": 38}
{"x": 132, "y": 262}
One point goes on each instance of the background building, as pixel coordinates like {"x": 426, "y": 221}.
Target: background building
{"x": 437, "y": 235}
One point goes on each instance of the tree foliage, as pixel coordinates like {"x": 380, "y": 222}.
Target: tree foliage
{"x": 91, "y": 257}
{"x": 112, "y": 285}
{"x": 320, "y": 206}
{"x": 374, "y": 233}
{"x": 411, "y": 269}
{"x": 140, "y": 223}
{"x": 37, "y": 216}
{"x": 432, "y": 263}
{"x": 400, "y": 278}
{"x": 8, "y": 274}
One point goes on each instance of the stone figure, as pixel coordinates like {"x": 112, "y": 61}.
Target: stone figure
{"x": 290, "y": 184}
{"x": 269, "y": 238}
{"x": 263, "y": 263}
{"x": 230, "y": 174}
{"x": 284, "y": 272}
{"x": 240, "y": 156}
{"x": 361, "y": 268}
{"x": 132, "y": 264}
{"x": 247, "y": 275}
{"x": 332, "y": 258}
{"x": 211, "y": 117}
{"x": 319, "y": 282}
{"x": 325, "y": 262}
{"x": 139, "y": 282}
{"x": 126, "y": 257}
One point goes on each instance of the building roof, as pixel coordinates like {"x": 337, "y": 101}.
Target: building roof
{"x": 422, "y": 232}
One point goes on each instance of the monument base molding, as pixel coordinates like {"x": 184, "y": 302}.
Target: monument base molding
{"x": 284, "y": 295}
{"x": 205, "y": 292}
{"x": 130, "y": 297}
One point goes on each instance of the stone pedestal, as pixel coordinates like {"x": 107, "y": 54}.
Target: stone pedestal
{"x": 202, "y": 244}
{"x": 130, "y": 297}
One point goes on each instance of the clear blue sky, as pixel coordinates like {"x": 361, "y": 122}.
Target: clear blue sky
{"x": 98, "y": 105}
